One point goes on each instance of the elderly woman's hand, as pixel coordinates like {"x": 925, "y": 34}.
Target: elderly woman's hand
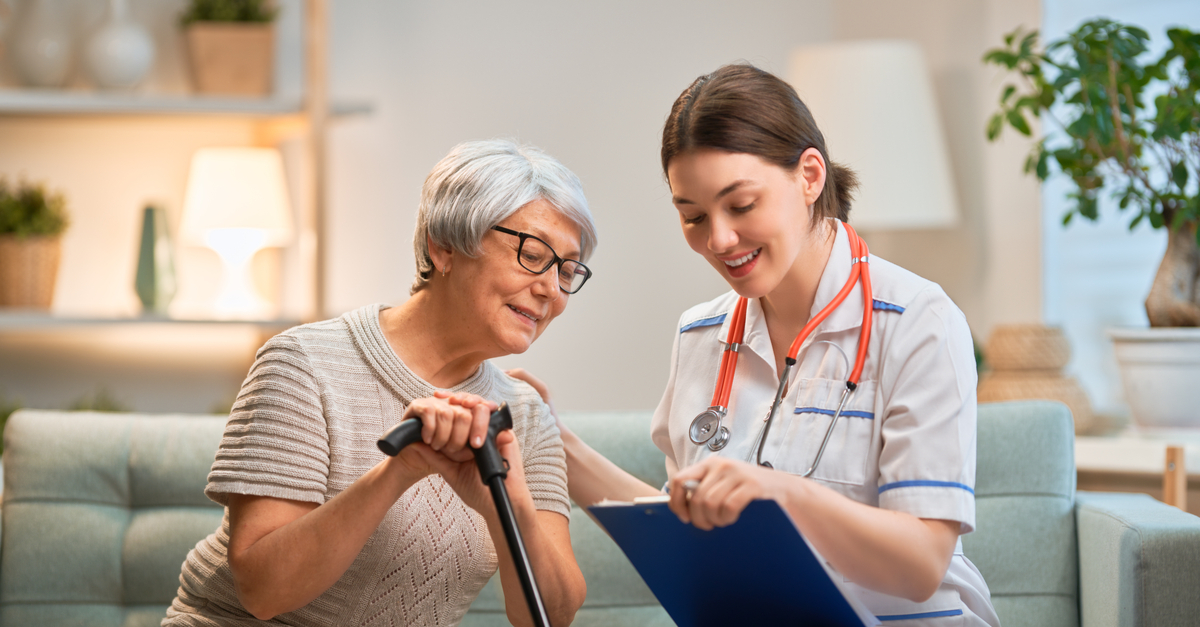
{"x": 452, "y": 422}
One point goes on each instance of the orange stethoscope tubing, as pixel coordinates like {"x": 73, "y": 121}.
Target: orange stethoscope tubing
{"x": 706, "y": 428}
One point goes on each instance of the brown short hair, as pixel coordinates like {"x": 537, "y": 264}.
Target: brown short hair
{"x": 740, "y": 108}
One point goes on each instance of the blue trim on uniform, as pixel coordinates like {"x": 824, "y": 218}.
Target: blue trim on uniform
{"x": 923, "y": 483}
{"x": 941, "y": 614}
{"x": 704, "y": 322}
{"x": 879, "y": 305}
{"x": 829, "y": 412}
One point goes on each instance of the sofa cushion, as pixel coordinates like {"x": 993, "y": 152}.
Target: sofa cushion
{"x": 1024, "y": 542}
{"x": 100, "y": 511}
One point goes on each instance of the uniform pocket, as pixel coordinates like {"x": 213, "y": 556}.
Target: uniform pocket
{"x": 808, "y": 419}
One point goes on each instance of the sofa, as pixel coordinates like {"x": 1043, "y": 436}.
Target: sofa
{"x": 99, "y": 511}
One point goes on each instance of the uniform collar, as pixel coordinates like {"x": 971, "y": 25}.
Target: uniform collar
{"x": 847, "y": 316}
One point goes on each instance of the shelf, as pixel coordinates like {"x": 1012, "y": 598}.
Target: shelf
{"x": 77, "y": 102}
{"x": 24, "y": 320}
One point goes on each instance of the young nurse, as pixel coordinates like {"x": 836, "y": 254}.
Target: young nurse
{"x": 759, "y": 199}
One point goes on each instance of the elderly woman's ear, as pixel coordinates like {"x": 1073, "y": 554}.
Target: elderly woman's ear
{"x": 440, "y": 256}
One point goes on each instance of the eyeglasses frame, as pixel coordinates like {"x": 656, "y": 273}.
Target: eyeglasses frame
{"x": 558, "y": 261}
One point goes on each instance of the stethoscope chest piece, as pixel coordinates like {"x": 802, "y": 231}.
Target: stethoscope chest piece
{"x": 706, "y": 426}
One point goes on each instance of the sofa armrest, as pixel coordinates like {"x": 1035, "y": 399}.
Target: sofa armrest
{"x": 1139, "y": 561}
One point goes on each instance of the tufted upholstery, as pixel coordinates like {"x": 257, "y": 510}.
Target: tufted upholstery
{"x": 100, "y": 510}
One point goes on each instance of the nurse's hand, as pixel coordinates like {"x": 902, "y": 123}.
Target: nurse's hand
{"x": 543, "y": 390}
{"x": 725, "y": 488}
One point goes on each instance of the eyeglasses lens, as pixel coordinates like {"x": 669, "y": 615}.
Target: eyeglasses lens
{"x": 536, "y": 256}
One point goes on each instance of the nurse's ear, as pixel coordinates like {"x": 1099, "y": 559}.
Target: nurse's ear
{"x": 810, "y": 175}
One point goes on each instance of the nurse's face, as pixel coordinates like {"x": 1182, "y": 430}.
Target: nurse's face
{"x": 749, "y": 218}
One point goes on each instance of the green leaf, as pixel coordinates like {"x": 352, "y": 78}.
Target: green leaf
{"x": 994, "y": 126}
{"x": 1008, "y": 92}
{"x": 1018, "y": 122}
{"x": 1179, "y": 172}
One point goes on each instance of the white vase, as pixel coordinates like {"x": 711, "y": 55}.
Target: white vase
{"x": 41, "y": 44}
{"x": 120, "y": 52}
{"x": 1160, "y": 369}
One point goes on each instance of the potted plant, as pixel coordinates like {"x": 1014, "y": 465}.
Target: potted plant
{"x": 32, "y": 222}
{"x": 1125, "y": 125}
{"x": 231, "y": 45}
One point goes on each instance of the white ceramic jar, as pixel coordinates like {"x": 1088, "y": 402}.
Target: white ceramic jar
{"x": 120, "y": 52}
{"x": 1160, "y": 369}
{"x": 41, "y": 44}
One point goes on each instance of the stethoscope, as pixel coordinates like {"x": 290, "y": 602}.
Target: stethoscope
{"x": 707, "y": 427}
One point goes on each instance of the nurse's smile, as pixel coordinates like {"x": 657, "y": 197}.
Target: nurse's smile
{"x": 739, "y": 265}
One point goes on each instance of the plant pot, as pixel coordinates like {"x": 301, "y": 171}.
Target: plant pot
{"x": 232, "y": 59}
{"x": 1160, "y": 369}
{"x": 28, "y": 269}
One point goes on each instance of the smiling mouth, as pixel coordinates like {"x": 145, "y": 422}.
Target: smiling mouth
{"x": 522, "y": 313}
{"x": 743, "y": 259}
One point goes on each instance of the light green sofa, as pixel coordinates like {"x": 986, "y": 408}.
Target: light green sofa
{"x": 99, "y": 511}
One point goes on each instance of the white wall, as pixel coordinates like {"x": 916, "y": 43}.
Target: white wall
{"x": 589, "y": 82}
{"x": 592, "y": 84}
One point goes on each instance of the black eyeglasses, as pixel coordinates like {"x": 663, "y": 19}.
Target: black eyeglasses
{"x": 537, "y": 257}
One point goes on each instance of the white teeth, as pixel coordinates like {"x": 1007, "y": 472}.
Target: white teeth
{"x": 522, "y": 313}
{"x": 741, "y": 260}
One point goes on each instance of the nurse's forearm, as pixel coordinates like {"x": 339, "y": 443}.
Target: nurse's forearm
{"x": 883, "y": 550}
{"x": 591, "y": 477}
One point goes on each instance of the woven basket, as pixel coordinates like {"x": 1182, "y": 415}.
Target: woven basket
{"x": 1039, "y": 384}
{"x": 28, "y": 269}
{"x": 1027, "y": 347}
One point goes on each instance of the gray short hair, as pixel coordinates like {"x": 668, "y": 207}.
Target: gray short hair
{"x": 478, "y": 185}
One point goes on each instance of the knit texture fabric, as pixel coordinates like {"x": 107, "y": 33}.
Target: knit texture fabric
{"x": 304, "y": 428}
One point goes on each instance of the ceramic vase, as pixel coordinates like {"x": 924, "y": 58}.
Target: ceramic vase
{"x": 1160, "y": 370}
{"x": 155, "y": 281}
{"x": 120, "y": 52}
{"x": 41, "y": 45}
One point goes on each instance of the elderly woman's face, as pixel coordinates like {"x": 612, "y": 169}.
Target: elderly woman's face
{"x": 514, "y": 305}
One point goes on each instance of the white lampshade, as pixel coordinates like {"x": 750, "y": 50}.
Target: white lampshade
{"x": 874, "y": 103}
{"x": 237, "y": 188}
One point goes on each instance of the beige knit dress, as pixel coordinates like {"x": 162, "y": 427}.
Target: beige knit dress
{"x": 304, "y": 428}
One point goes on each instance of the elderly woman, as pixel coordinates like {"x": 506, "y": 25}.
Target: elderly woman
{"x": 320, "y": 528}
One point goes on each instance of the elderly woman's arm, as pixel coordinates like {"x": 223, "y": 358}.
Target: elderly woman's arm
{"x": 591, "y": 477}
{"x": 284, "y": 553}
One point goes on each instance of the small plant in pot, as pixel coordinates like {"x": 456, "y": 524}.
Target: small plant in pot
{"x": 1125, "y": 125}
{"x": 231, "y": 45}
{"x": 32, "y": 221}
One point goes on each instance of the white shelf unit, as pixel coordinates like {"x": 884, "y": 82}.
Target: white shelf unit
{"x": 63, "y": 102}
{"x": 306, "y": 114}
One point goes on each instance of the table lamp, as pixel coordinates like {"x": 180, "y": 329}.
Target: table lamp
{"x": 873, "y": 101}
{"x": 236, "y": 204}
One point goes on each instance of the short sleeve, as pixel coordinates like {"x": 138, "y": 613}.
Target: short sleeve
{"x": 661, "y": 421}
{"x": 928, "y": 379}
{"x": 275, "y": 442}
{"x": 545, "y": 462}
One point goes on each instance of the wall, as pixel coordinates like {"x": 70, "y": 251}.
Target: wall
{"x": 592, "y": 85}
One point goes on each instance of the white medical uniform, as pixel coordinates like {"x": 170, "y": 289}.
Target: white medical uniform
{"x": 906, "y": 440}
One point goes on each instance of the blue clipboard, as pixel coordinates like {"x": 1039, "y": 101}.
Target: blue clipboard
{"x": 757, "y": 571}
